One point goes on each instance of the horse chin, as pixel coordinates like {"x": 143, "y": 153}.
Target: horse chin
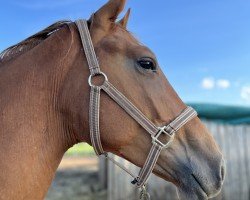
{"x": 191, "y": 193}
{"x": 188, "y": 187}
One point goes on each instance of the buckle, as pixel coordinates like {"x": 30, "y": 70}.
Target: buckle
{"x": 167, "y": 130}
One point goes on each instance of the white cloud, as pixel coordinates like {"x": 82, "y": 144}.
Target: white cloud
{"x": 223, "y": 83}
{"x": 208, "y": 83}
{"x": 245, "y": 93}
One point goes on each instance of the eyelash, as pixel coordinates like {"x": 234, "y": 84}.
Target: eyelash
{"x": 147, "y": 64}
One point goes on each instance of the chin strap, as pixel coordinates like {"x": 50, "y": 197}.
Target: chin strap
{"x": 162, "y": 137}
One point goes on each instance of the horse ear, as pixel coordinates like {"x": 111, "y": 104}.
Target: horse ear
{"x": 109, "y": 12}
{"x": 124, "y": 21}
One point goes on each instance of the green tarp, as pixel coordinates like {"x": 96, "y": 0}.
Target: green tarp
{"x": 224, "y": 114}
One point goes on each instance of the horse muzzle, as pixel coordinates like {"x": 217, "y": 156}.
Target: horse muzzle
{"x": 202, "y": 181}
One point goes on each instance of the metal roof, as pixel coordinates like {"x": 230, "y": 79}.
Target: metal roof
{"x": 223, "y": 113}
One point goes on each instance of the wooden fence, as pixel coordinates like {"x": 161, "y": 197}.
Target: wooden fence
{"x": 235, "y": 144}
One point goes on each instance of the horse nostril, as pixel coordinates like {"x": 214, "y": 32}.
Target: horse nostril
{"x": 223, "y": 171}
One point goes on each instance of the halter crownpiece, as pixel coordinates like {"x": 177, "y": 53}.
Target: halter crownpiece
{"x": 94, "y": 109}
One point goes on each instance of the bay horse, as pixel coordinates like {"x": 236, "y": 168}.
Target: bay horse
{"x": 44, "y": 99}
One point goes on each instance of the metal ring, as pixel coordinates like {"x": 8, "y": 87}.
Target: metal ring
{"x": 100, "y": 73}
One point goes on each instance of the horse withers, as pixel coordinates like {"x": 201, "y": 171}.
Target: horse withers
{"x": 44, "y": 103}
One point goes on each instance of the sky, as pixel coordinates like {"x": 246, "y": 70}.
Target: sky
{"x": 203, "y": 46}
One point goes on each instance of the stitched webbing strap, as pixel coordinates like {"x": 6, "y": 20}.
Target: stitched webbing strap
{"x": 134, "y": 112}
{"x": 188, "y": 114}
{"x": 148, "y": 165}
{"x": 94, "y": 90}
{"x": 88, "y": 47}
{"x": 94, "y": 107}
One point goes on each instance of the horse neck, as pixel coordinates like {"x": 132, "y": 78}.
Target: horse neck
{"x": 40, "y": 104}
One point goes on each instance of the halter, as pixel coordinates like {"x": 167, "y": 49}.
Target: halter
{"x": 94, "y": 109}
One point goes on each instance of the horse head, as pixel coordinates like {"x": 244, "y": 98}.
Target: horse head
{"x": 193, "y": 162}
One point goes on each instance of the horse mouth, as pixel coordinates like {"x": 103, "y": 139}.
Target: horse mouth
{"x": 197, "y": 188}
{"x": 202, "y": 187}
{"x": 189, "y": 187}
{"x": 192, "y": 182}
{"x": 192, "y": 191}
{"x": 205, "y": 186}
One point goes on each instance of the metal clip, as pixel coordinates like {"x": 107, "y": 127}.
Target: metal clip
{"x": 135, "y": 181}
{"x": 144, "y": 193}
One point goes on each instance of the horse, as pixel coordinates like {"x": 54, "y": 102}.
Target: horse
{"x": 44, "y": 99}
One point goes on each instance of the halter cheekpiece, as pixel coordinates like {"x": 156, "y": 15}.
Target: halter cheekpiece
{"x": 155, "y": 132}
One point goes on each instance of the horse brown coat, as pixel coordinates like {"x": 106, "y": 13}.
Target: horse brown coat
{"x": 44, "y": 98}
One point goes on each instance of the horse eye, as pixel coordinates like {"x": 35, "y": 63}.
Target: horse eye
{"x": 147, "y": 63}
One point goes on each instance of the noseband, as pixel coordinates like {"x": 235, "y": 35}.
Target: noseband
{"x": 155, "y": 132}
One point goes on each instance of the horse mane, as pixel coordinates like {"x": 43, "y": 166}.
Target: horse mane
{"x": 31, "y": 41}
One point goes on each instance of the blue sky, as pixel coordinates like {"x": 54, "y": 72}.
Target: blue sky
{"x": 203, "y": 46}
